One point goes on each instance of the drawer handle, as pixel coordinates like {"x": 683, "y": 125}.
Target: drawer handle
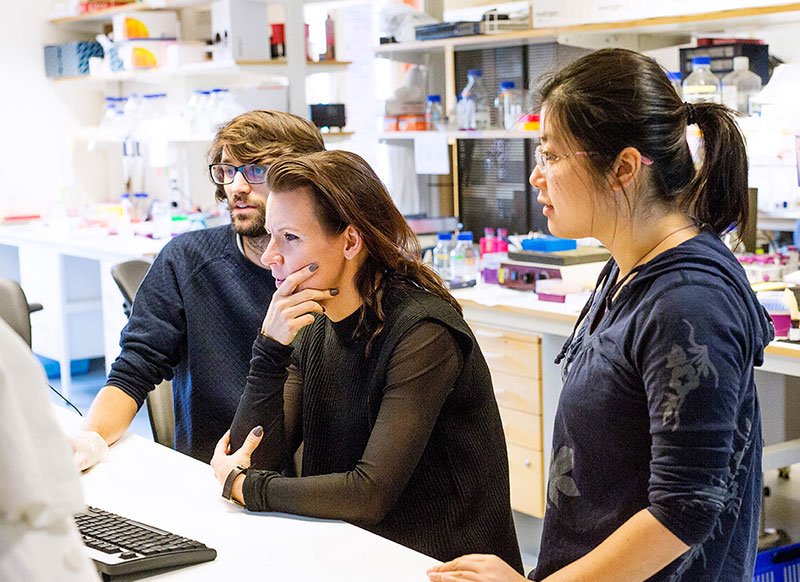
{"x": 493, "y": 355}
{"x": 492, "y": 334}
{"x": 527, "y": 463}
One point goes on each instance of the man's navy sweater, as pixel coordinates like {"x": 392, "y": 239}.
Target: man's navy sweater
{"x": 194, "y": 321}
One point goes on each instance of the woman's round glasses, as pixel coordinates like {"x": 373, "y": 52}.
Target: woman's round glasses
{"x": 224, "y": 174}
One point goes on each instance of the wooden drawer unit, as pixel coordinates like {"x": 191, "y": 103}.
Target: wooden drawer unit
{"x": 514, "y": 361}
{"x": 522, "y": 428}
{"x": 517, "y": 392}
{"x": 526, "y": 472}
{"x": 509, "y": 352}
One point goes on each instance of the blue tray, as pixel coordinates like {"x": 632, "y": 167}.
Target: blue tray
{"x": 548, "y": 244}
{"x": 778, "y": 565}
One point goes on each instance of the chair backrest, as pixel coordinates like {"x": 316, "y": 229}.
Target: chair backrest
{"x": 128, "y": 276}
{"x": 14, "y": 308}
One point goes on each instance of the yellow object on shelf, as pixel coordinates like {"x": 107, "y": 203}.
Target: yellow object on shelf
{"x": 135, "y": 28}
{"x": 154, "y": 25}
{"x": 143, "y": 58}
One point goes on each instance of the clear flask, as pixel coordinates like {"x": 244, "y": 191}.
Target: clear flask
{"x": 190, "y": 110}
{"x": 441, "y": 255}
{"x": 739, "y": 86}
{"x": 109, "y": 118}
{"x": 701, "y": 85}
{"x": 476, "y": 102}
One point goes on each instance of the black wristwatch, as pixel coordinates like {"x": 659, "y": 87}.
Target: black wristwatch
{"x": 227, "y": 489}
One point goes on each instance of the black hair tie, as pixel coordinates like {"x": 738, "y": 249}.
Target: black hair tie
{"x": 691, "y": 113}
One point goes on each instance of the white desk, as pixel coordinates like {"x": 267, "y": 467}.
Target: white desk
{"x": 153, "y": 484}
{"x": 69, "y": 273}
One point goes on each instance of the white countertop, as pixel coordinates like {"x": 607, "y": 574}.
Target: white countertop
{"x": 82, "y": 242}
{"x": 160, "y": 487}
{"x": 488, "y": 295}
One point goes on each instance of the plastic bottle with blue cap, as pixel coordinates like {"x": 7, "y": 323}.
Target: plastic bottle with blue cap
{"x": 701, "y": 85}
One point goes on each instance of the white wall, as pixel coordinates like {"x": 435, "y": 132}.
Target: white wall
{"x": 38, "y": 116}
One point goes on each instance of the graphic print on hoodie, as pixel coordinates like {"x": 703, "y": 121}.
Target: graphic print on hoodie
{"x": 659, "y": 411}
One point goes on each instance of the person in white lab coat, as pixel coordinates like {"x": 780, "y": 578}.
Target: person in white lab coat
{"x": 40, "y": 488}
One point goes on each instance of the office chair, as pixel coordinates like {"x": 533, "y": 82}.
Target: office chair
{"x": 160, "y": 410}
{"x": 15, "y": 309}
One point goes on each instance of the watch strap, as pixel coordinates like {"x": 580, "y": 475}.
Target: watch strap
{"x": 227, "y": 489}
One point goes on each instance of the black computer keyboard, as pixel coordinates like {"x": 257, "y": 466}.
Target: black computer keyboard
{"x": 122, "y": 546}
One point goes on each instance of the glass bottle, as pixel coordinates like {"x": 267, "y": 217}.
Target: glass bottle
{"x": 508, "y": 104}
{"x": 434, "y": 114}
{"x": 464, "y": 258}
{"x": 701, "y": 85}
{"x": 441, "y": 255}
{"x": 476, "y": 102}
{"x": 739, "y": 86}
{"x": 675, "y": 78}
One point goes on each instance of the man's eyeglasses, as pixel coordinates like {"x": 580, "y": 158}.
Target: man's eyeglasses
{"x": 224, "y": 174}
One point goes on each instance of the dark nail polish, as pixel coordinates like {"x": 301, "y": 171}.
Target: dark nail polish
{"x": 334, "y": 291}
{"x": 258, "y": 431}
{"x": 313, "y": 267}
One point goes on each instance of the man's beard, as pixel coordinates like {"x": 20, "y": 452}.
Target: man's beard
{"x": 250, "y": 227}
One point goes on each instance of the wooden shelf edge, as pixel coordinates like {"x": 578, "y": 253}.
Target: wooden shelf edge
{"x": 106, "y": 14}
{"x": 270, "y": 67}
{"x": 644, "y": 24}
{"x": 100, "y": 15}
{"x": 452, "y": 134}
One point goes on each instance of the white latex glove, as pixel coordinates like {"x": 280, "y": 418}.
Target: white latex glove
{"x": 88, "y": 448}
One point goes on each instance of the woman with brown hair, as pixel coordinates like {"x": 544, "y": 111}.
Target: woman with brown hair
{"x": 656, "y": 468}
{"x": 364, "y": 358}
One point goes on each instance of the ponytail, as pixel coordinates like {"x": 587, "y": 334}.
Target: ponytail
{"x": 717, "y": 195}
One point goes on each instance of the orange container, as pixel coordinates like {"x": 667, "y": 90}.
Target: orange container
{"x": 411, "y": 123}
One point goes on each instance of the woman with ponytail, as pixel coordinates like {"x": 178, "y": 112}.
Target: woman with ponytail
{"x": 656, "y": 468}
{"x": 365, "y": 360}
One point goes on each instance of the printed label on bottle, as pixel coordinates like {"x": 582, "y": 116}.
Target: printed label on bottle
{"x": 700, "y": 89}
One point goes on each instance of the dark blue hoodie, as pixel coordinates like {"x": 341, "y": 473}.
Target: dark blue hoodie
{"x": 659, "y": 412}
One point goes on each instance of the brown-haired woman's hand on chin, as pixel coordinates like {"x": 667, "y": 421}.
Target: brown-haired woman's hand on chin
{"x": 291, "y": 310}
{"x": 475, "y": 567}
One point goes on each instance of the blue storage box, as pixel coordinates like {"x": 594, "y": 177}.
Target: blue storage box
{"x": 53, "y": 369}
{"x": 75, "y": 57}
{"x": 778, "y": 565}
{"x": 548, "y": 244}
{"x": 52, "y": 61}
